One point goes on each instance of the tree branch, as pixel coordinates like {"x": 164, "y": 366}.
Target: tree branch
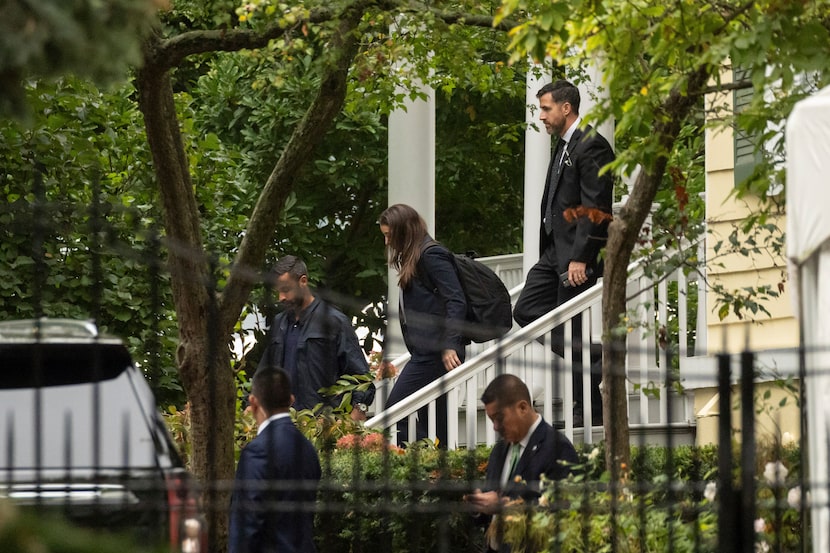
{"x": 170, "y": 52}
{"x": 307, "y": 136}
{"x": 474, "y": 20}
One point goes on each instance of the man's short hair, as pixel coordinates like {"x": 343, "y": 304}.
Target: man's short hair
{"x": 505, "y": 390}
{"x": 272, "y": 388}
{"x": 562, "y": 91}
{"x": 290, "y": 264}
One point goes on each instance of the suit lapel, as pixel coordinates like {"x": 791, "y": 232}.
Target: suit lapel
{"x": 533, "y": 447}
{"x": 499, "y": 456}
{"x": 575, "y": 138}
{"x": 555, "y": 171}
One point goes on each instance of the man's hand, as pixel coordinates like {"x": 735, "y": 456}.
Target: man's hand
{"x": 577, "y": 273}
{"x": 451, "y": 360}
{"x": 357, "y": 415}
{"x": 488, "y": 503}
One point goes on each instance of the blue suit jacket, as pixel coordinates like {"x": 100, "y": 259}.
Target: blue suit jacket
{"x": 545, "y": 453}
{"x": 274, "y": 492}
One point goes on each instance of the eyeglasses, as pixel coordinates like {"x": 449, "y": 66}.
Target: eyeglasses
{"x": 567, "y": 158}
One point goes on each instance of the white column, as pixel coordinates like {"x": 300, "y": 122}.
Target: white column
{"x": 590, "y": 93}
{"x": 412, "y": 182}
{"x": 537, "y": 157}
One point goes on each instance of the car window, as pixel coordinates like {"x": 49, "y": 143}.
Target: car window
{"x": 93, "y": 409}
{"x": 30, "y": 365}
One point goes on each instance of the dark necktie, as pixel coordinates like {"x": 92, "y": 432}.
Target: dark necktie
{"x": 555, "y": 169}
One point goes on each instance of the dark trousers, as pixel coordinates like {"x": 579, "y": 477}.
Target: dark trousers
{"x": 418, "y": 372}
{"x": 543, "y": 292}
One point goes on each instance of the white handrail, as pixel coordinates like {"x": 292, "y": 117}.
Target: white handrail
{"x": 490, "y": 358}
{"x": 527, "y": 353}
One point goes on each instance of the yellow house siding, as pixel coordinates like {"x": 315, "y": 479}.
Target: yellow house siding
{"x": 765, "y": 334}
{"x": 736, "y": 271}
{"x": 772, "y": 423}
{"x": 758, "y": 332}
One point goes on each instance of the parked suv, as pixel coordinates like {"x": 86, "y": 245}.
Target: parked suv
{"x": 80, "y": 434}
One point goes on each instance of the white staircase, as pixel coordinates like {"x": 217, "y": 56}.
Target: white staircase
{"x": 653, "y": 414}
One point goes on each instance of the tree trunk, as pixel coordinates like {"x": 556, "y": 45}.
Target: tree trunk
{"x": 206, "y": 318}
{"x": 622, "y": 237}
{"x": 202, "y": 355}
{"x": 212, "y": 421}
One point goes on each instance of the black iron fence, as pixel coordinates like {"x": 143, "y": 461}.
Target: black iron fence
{"x": 746, "y": 495}
{"x": 749, "y": 496}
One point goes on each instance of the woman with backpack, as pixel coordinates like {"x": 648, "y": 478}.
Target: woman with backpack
{"x": 431, "y": 310}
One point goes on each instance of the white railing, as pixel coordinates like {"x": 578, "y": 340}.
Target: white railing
{"x": 508, "y": 267}
{"x": 526, "y": 352}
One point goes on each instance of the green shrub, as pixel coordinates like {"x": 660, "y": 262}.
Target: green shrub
{"x": 376, "y": 497}
{"x": 668, "y": 501}
{"x": 21, "y": 531}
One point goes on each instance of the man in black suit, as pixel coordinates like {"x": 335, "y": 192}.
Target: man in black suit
{"x": 272, "y": 507}
{"x": 576, "y": 210}
{"x": 529, "y": 448}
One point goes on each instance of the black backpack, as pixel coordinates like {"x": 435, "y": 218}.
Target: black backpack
{"x": 489, "y": 312}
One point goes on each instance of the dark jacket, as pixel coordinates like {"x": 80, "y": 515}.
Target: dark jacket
{"x": 265, "y": 516}
{"x": 426, "y": 309}
{"x": 546, "y": 451}
{"x": 327, "y": 349}
{"x": 581, "y": 188}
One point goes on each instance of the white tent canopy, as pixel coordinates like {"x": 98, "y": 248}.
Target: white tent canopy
{"x": 808, "y": 249}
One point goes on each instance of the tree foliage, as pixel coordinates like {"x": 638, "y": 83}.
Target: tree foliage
{"x": 50, "y": 38}
{"x": 79, "y": 226}
{"x": 659, "y": 63}
{"x": 265, "y": 132}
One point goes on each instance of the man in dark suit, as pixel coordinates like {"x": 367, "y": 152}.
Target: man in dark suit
{"x": 272, "y": 507}
{"x": 529, "y": 448}
{"x": 576, "y": 210}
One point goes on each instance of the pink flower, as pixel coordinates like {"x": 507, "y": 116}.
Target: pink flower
{"x": 775, "y": 473}
{"x": 381, "y": 368}
{"x": 794, "y": 497}
{"x": 348, "y": 441}
{"x": 711, "y": 491}
{"x": 373, "y": 442}
{"x": 760, "y": 525}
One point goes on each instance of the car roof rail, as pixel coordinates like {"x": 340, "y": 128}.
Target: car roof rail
{"x": 48, "y": 327}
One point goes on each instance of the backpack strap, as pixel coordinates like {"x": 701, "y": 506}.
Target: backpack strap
{"x": 422, "y": 275}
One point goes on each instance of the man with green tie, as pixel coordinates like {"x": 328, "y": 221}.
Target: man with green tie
{"x": 529, "y": 447}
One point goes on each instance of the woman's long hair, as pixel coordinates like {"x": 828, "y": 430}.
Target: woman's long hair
{"x": 407, "y": 230}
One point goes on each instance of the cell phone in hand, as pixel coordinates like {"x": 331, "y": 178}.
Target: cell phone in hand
{"x": 563, "y": 278}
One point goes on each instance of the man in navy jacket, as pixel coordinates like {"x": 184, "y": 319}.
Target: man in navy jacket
{"x": 313, "y": 341}
{"x": 529, "y": 448}
{"x": 272, "y": 506}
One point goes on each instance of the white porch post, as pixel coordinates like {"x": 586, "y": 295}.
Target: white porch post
{"x": 589, "y": 94}
{"x": 537, "y": 157}
{"x": 411, "y": 181}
